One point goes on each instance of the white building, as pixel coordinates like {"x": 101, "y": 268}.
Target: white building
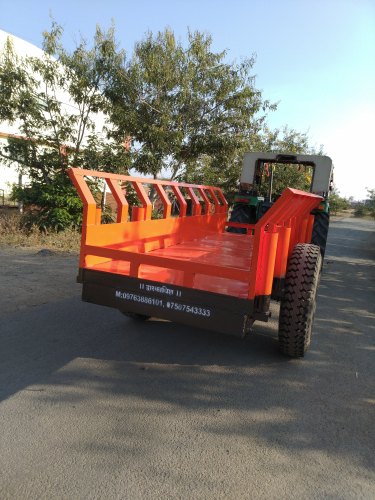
{"x": 9, "y": 175}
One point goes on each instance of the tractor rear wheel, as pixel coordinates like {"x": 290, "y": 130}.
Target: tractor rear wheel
{"x": 241, "y": 214}
{"x": 298, "y": 303}
{"x": 320, "y": 231}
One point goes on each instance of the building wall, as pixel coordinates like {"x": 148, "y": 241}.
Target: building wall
{"x": 9, "y": 175}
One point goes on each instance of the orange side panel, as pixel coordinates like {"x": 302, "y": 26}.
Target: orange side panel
{"x": 184, "y": 228}
{"x": 263, "y": 265}
{"x": 138, "y": 213}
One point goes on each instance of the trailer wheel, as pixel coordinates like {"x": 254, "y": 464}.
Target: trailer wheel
{"x": 136, "y": 316}
{"x": 298, "y": 303}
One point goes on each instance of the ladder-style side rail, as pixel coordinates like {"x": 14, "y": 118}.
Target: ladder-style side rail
{"x": 116, "y": 182}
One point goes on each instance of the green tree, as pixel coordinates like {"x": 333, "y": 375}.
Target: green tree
{"x": 287, "y": 140}
{"x": 189, "y": 114}
{"x": 368, "y": 207}
{"x": 183, "y": 111}
{"x": 337, "y": 203}
{"x": 371, "y": 202}
{"x": 57, "y": 102}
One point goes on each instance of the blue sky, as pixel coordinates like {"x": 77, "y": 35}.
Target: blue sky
{"x": 316, "y": 58}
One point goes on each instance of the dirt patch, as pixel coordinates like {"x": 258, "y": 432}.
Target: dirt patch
{"x": 31, "y": 277}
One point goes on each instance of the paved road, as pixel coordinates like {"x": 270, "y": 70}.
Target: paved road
{"x": 96, "y": 406}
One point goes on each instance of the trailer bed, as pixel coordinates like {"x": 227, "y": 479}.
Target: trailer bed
{"x": 227, "y": 250}
{"x": 185, "y": 267}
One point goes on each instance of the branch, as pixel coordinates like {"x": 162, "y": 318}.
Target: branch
{"x": 53, "y": 125}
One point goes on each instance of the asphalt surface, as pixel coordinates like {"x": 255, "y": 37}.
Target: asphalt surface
{"x": 94, "y": 405}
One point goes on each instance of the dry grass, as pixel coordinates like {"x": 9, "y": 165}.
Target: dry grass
{"x": 11, "y": 234}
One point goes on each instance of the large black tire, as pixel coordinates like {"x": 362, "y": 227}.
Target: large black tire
{"x": 241, "y": 214}
{"x": 136, "y": 316}
{"x": 320, "y": 231}
{"x": 298, "y": 303}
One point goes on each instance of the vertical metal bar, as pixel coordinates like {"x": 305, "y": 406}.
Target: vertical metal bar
{"x": 165, "y": 200}
{"x": 195, "y": 200}
{"x": 216, "y": 200}
{"x": 145, "y": 200}
{"x": 271, "y": 183}
{"x": 181, "y": 200}
{"x": 122, "y": 204}
{"x": 205, "y": 199}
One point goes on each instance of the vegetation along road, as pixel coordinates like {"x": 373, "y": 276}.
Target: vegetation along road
{"x": 94, "y": 405}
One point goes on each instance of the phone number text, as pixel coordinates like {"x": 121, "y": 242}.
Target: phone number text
{"x": 175, "y": 306}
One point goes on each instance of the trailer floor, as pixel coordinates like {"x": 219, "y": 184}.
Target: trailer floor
{"x": 228, "y": 250}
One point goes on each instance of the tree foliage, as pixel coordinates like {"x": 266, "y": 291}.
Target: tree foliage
{"x": 189, "y": 114}
{"x": 57, "y": 102}
{"x": 337, "y": 203}
{"x": 180, "y": 109}
{"x": 366, "y": 208}
{"x": 287, "y": 140}
{"x": 371, "y": 202}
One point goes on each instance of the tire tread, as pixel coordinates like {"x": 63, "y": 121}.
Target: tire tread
{"x": 298, "y": 303}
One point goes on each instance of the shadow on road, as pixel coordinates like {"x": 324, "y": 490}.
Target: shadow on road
{"x": 85, "y": 352}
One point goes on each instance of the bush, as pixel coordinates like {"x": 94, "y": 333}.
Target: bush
{"x": 337, "y": 203}
{"x": 50, "y": 207}
{"x": 366, "y": 209}
{"x": 14, "y": 232}
{"x": 360, "y": 210}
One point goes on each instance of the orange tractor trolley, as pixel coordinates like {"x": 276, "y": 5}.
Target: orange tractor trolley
{"x": 193, "y": 266}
